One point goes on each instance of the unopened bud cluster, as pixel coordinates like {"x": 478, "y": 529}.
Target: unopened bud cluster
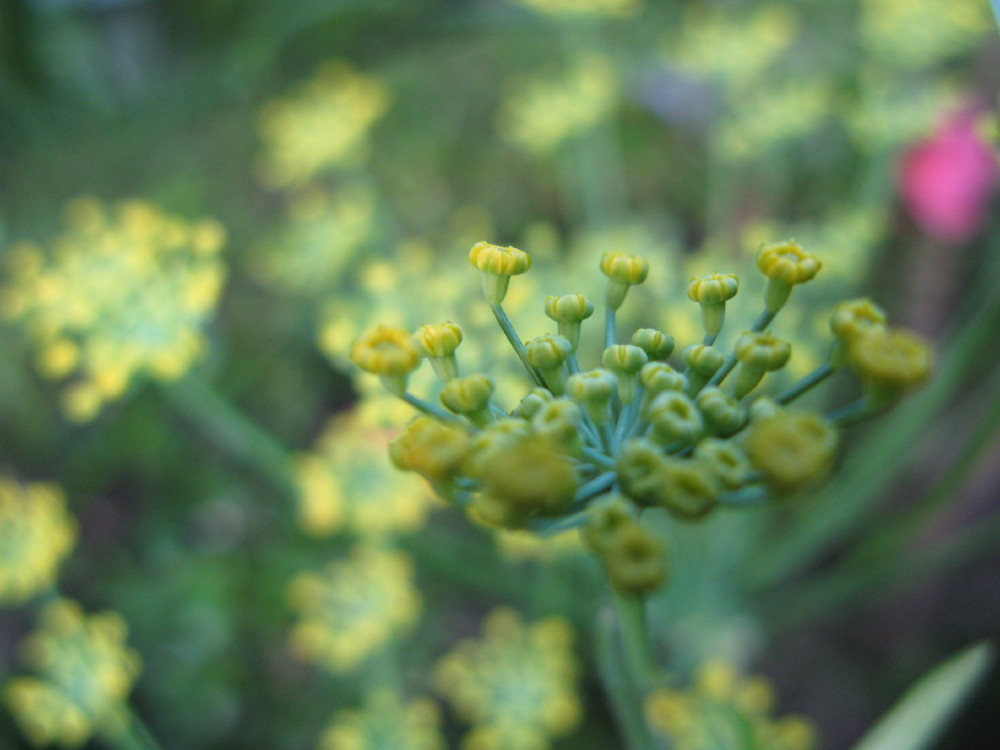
{"x": 595, "y": 447}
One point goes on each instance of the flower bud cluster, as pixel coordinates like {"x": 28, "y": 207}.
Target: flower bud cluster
{"x": 595, "y": 447}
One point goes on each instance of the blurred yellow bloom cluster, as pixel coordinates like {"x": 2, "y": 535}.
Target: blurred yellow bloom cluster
{"x": 919, "y": 33}
{"x": 353, "y": 607}
{"x": 36, "y": 534}
{"x": 85, "y": 672}
{"x": 516, "y": 685}
{"x": 540, "y": 113}
{"x": 731, "y": 48}
{"x": 888, "y": 113}
{"x": 123, "y": 291}
{"x": 322, "y": 124}
{"x": 568, "y": 8}
{"x": 386, "y": 723}
{"x": 346, "y": 485}
{"x": 324, "y": 232}
{"x": 724, "y": 711}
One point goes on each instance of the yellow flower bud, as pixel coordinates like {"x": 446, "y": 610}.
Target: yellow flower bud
{"x": 496, "y": 435}
{"x": 712, "y": 292}
{"x": 889, "y": 362}
{"x": 388, "y": 353}
{"x": 438, "y": 344}
{"x": 638, "y": 466}
{"x": 722, "y": 412}
{"x": 549, "y": 353}
{"x": 469, "y": 396}
{"x": 791, "y": 448}
{"x": 497, "y": 264}
{"x": 625, "y": 360}
{"x": 853, "y": 317}
{"x": 727, "y": 462}
{"x": 569, "y": 311}
{"x": 605, "y": 517}
{"x": 689, "y": 489}
{"x": 526, "y": 478}
{"x": 636, "y": 561}
{"x": 785, "y": 264}
{"x": 656, "y": 344}
{"x": 702, "y": 359}
{"x": 430, "y": 448}
{"x": 657, "y": 377}
{"x": 758, "y": 353}
{"x": 673, "y": 418}
{"x": 535, "y": 399}
{"x": 559, "y": 422}
{"x": 592, "y": 390}
{"x": 622, "y": 271}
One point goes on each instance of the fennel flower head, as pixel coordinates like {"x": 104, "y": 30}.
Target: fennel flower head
{"x": 36, "y": 535}
{"x": 122, "y": 292}
{"x": 598, "y": 437}
{"x": 344, "y": 485}
{"x": 353, "y": 607}
{"x": 723, "y": 710}
{"x": 516, "y": 685}
{"x": 321, "y": 125}
{"x": 386, "y": 722}
{"x": 84, "y": 671}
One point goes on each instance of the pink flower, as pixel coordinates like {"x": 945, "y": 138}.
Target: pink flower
{"x": 947, "y": 180}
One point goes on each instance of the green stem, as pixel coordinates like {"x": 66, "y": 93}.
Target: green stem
{"x": 435, "y": 411}
{"x": 610, "y": 323}
{"x": 635, "y": 640}
{"x": 762, "y": 322}
{"x": 515, "y": 341}
{"x": 851, "y": 413}
{"x": 814, "y": 378}
{"x": 136, "y": 735}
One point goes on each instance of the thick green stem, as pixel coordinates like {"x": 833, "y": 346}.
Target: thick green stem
{"x": 515, "y": 341}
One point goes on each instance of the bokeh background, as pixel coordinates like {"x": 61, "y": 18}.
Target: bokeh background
{"x": 203, "y": 204}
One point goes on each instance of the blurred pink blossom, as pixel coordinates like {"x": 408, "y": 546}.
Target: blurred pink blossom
{"x": 947, "y": 180}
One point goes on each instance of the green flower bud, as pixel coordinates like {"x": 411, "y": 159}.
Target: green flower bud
{"x": 657, "y": 377}
{"x": 722, "y": 412}
{"x": 469, "y": 396}
{"x": 792, "y": 448}
{"x": 559, "y": 422}
{"x": 785, "y": 264}
{"x": 496, "y": 265}
{"x": 758, "y": 353}
{"x": 850, "y": 319}
{"x": 524, "y": 479}
{"x": 532, "y": 402}
{"x": 727, "y": 462}
{"x": 496, "y": 435}
{"x": 592, "y": 390}
{"x": 605, "y": 517}
{"x": 622, "y": 271}
{"x": 549, "y": 353}
{"x": 432, "y": 449}
{"x": 438, "y": 344}
{"x": 388, "y": 353}
{"x": 673, "y": 418}
{"x": 703, "y": 362}
{"x": 763, "y": 407}
{"x": 689, "y": 489}
{"x": 569, "y": 311}
{"x": 625, "y": 361}
{"x": 889, "y": 362}
{"x": 712, "y": 292}
{"x": 635, "y": 560}
{"x": 638, "y": 464}
{"x": 656, "y": 344}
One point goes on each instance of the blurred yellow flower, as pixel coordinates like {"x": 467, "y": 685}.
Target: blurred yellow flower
{"x": 921, "y": 33}
{"x": 571, "y": 8}
{"x": 353, "y": 607}
{"x": 516, "y": 685}
{"x": 324, "y": 234}
{"x": 323, "y": 123}
{"x": 539, "y": 113}
{"x": 517, "y": 545}
{"x": 723, "y": 710}
{"x": 386, "y": 723}
{"x": 121, "y": 292}
{"x": 36, "y": 534}
{"x": 85, "y": 673}
{"x": 346, "y": 483}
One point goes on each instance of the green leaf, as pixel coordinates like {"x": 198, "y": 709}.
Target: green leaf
{"x": 917, "y": 720}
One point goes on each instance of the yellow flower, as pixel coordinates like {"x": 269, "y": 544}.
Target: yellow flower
{"x": 353, "y": 607}
{"x": 635, "y": 559}
{"x": 922, "y": 33}
{"x": 496, "y": 265}
{"x": 890, "y": 361}
{"x": 792, "y": 448}
{"x": 385, "y": 722}
{"x": 122, "y": 292}
{"x": 787, "y": 262}
{"x": 36, "y": 535}
{"x": 515, "y": 684}
{"x": 324, "y": 123}
{"x": 345, "y": 483}
{"x": 389, "y": 353}
{"x": 723, "y": 710}
{"x": 85, "y": 673}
